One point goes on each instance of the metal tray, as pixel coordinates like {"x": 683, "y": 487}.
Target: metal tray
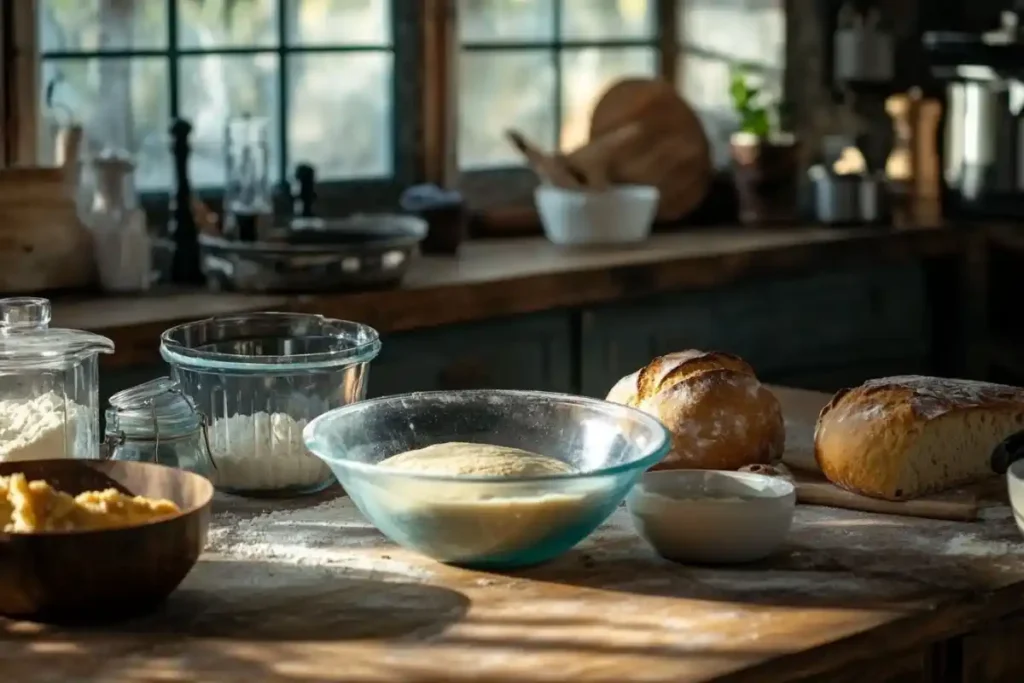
{"x": 360, "y": 252}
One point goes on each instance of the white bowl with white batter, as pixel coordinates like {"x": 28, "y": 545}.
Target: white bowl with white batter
{"x": 711, "y": 516}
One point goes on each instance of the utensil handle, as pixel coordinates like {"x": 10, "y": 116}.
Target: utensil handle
{"x": 1007, "y": 452}
{"x": 545, "y": 166}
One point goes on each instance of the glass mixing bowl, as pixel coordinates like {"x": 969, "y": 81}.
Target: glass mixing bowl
{"x": 258, "y": 379}
{"x": 480, "y": 521}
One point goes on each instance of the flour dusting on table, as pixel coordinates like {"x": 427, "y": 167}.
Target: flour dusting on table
{"x": 977, "y": 546}
{"x": 333, "y": 534}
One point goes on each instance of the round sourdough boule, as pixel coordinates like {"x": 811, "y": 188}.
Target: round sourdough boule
{"x": 719, "y": 414}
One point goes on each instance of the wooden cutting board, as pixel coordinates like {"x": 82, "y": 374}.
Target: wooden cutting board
{"x": 671, "y": 151}
{"x": 961, "y": 505}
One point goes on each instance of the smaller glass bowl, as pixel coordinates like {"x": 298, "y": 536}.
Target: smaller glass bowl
{"x": 259, "y": 379}
{"x": 480, "y": 521}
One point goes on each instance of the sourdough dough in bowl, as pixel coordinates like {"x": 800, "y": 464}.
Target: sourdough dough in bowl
{"x": 456, "y": 458}
{"x": 464, "y": 520}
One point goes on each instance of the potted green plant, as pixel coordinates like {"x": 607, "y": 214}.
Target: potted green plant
{"x": 765, "y": 159}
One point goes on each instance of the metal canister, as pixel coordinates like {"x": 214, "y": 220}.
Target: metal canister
{"x": 849, "y": 199}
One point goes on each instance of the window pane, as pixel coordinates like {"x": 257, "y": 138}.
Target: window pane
{"x": 744, "y": 30}
{"x": 213, "y": 88}
{"x": 608, "y": 19}
{"x": 486, "y": 21}
{"x": 120, "y": 102}
{"x": 226, "y": 23}
{"x": 339, "y": 22}
{"x": 586, "y": 74}
{"x": 341, "y": 126}
{"x": 705, "y": 85}
{"x": 94, "y": 25}
{"x": 499, "y": 90}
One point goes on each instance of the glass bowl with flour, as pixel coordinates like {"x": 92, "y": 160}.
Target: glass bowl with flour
{"x": 487, "y": 478}
{"x": 259, "y": 379}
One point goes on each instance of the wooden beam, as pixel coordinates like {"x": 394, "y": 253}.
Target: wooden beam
{"x": 23, "y": 92}
{"x": 440, "y": 92}
{"x": 668, "y": 37}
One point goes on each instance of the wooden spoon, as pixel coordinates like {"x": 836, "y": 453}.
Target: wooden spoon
{"x": 594, "y": 159}
{"x": 552, "y": 169}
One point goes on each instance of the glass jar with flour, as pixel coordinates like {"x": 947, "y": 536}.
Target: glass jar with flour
{"x": 49, "y": 385}
{"x": 156, "y": 422}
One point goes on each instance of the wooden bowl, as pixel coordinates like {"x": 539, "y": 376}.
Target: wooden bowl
{"x": 99, "y": 575}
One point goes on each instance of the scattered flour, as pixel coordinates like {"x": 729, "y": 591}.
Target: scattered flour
{"x": 263, "y": 452}
{"x": 996, "y": 512}
{"x": 333, "y": 533}
{"x": 977, "y": 546}
{"x": 47, "y": 426}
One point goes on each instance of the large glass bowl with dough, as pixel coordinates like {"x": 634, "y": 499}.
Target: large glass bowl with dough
{"x": 487, "y": 478}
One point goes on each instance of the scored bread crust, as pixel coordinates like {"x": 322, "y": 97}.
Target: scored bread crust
{"x": 719, "y": 414}
{"x": 897, "y": 438}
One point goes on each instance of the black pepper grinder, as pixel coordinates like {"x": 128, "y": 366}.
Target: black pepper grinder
{"x": 305, "y": 191}
{"x": 185, "y": 265}
{"x": 304, "y": 222}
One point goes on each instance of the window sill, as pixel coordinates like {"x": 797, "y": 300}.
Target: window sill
{"x": 515, "y": 276}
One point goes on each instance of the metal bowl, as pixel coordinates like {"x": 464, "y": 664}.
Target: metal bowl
{"x": 359, "y": 252}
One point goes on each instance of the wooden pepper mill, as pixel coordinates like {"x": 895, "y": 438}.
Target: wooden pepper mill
{"x": 913, "y": 163}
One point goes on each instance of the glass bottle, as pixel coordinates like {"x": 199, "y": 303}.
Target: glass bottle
{"x": 156, "y": 422}
{"x": 121, "y": 239}
{"x": 248, "y": 204}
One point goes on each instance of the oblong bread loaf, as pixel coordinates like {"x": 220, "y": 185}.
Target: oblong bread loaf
{"x": 897, "y": 438}
{"x": 719, "y": 414}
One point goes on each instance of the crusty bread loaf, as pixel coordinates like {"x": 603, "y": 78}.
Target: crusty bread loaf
{"x": 902, "y": 437}
{"x": 720, "y": 415}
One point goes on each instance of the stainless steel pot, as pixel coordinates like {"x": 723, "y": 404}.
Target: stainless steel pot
{"x": 984, "y": 144}
{"x": 854, "y": 199}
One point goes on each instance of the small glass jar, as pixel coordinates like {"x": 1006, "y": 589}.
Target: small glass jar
{"x": 156, "y": 422}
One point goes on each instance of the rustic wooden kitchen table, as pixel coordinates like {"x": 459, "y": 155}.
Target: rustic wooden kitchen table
{"x": 854, "y": 597}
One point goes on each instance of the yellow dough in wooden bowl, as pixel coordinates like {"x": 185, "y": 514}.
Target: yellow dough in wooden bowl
{"x": 463, "y": 520}
{"x": 35, "y": 506}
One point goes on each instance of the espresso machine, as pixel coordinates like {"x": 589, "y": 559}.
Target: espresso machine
{"x": 981, "y": 143}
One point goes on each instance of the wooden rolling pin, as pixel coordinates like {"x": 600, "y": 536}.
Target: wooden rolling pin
{"x": 960, "y": 505}
{"x": 953, "y": 507}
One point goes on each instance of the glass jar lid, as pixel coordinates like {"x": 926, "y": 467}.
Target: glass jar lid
{"x": 28, "y": 341}
{"x": 154, "y": 410}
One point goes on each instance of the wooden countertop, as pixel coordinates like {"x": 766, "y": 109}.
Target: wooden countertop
{"x": 847, "y": 588}
{"x": 497, "y": 278}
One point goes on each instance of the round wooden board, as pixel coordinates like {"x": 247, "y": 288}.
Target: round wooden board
{"x": 672, "y": 153}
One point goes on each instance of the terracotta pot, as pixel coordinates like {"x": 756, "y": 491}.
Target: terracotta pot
{"x": 766, "y": 173}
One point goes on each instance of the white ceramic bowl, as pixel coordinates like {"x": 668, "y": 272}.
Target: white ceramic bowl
{"x": 1015, "y": 486}
{"x": 617, "y": 215}
{"x": 710, "y": 516}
